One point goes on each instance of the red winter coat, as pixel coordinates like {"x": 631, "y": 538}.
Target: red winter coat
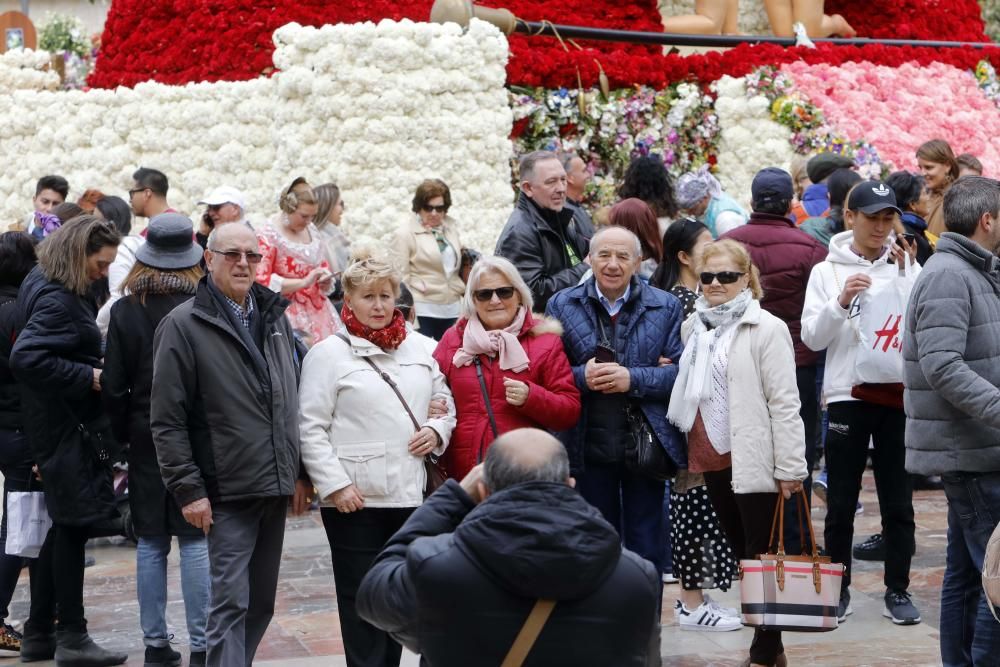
{"x": 553, "y": 400}
{"x": 785, "y": 257}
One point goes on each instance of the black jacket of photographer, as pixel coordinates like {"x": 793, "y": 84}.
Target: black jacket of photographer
{"x": 457, "y": 582}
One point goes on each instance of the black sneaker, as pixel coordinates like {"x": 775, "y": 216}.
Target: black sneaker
{"x": 162, "y": 656}
{"x": 899, "y": 607}
{"x": 871, "y": 549}
{"x": 844, "y": 608}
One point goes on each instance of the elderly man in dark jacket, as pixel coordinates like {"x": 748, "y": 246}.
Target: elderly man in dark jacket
{"x": 224, "y": 417}
{"x": 546, "y": 237}
{"x": 785, "y": 257}
{"x": 617, "y": 330}
{"x": 952, "y": 361}
{"x": 467, "y": 570}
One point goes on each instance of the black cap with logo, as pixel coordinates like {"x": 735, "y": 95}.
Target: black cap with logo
{"x": 870, "y": 197}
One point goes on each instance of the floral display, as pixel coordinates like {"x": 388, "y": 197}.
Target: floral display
{"x": 25, "y": 69}
{"x": 953, "y": 20}
{"x": 888, "y": 107}
{"x": 678, "y": 123}
{"x": 986, "y": 75}
{"x": 374, "y": 108}
{"x": 66, "y": 37}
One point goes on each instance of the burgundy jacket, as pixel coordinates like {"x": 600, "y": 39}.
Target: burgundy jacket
{"x": 785, "y": 256}
{"x": 553, "y": 400}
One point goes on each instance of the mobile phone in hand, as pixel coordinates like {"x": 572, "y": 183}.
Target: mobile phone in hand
{"x": 604, "y": 354}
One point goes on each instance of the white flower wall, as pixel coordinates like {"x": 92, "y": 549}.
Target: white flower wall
{"x": 749, "y": 139}
{"x": 373, "y": 108}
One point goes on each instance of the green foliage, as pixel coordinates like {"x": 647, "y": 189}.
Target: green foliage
{"x": 63, "y": 33}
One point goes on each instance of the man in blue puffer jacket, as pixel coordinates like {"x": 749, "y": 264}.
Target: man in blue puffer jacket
{"x": 616, "y": 331}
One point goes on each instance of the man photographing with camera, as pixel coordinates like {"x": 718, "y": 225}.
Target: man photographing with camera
{"x": 511, "y": 553}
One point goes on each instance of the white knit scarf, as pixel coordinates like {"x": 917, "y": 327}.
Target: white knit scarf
{"x": 694, "y": 380}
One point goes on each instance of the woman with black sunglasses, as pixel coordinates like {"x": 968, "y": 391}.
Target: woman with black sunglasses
{"x": 429, "y": 253}
{"x": 737, "y": 399}
{"x": 506, "y": 366}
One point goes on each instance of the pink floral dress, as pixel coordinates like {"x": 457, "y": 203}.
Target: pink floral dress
{"x": 310, "y": 311}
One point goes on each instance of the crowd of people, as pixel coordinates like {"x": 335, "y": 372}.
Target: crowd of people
{"x": 615, "y": 400}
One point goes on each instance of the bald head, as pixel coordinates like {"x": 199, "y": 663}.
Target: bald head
{"x": 525, "y": 455}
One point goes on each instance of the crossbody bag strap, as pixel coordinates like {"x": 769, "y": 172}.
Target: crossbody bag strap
{"x": 388, "y": 380}
{"x": 486, "y": 400}
{"x": 529, "y": 633}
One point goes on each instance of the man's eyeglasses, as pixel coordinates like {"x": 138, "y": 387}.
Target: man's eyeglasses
{"x": 428, "y": 208}
{"x": 234, "y": 256}
{"x": 485, "y": 295}
{"x": 131, "y": 193}
{"x": 724, "y": 277}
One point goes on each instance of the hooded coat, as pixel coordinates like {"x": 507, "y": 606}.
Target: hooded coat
{"x": 458, "y": 581}
{"x": 553, "y": 399}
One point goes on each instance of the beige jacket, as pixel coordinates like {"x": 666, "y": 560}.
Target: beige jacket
{"x": 418, "y": 257}
{"x": 765, "y": 430}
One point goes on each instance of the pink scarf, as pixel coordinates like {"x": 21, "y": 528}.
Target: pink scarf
{"x": 477, "y": 340}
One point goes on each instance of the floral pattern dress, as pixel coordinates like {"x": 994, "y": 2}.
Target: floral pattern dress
{"x": 310, "y": 311}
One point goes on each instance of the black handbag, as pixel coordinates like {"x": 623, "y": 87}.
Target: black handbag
{"x": 98, "y": 436}
{"x": 643, "y": 453}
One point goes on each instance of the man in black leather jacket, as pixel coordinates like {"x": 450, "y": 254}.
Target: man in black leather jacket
{"x": 546, "y": 237}
{"x": 460, "y": 578}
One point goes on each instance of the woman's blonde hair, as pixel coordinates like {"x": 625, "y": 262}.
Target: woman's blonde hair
{"x": 504, "y": 268}
{"x": 63, "y": 255}
{"x": 366, "y": 269}
{"x": 327, "y": 196}
{"x": 738, "y": 253}
{"x": 141, "y": 278}
{"x": 298, "y": 193}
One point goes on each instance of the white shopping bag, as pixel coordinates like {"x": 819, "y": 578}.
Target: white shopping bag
{"x": 880, "y": 324}
{"x": 28, "y": 523}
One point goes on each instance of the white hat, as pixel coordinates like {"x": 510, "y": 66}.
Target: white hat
{"x": 225, "y": 194}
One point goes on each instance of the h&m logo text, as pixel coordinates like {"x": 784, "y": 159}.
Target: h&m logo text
{"x": 889, "y": 333}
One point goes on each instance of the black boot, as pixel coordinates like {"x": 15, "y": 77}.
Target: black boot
{"x": 162, "y": 656}
{"x": 197, "y": 659}
{"x": 77, "y": 649}
{"x": 37, "y": 646}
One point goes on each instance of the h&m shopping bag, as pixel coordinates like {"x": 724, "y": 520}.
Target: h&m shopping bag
{"x": 28, "y": 523}
{"x": 795, "y": 593}
{"x": 880, "y": 323}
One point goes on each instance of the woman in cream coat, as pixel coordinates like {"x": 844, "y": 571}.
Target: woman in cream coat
{"x": 359, "y": 445}
{"x": 737, "y": 400}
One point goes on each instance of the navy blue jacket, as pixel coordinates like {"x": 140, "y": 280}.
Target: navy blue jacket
{"x": 648, "y": 327}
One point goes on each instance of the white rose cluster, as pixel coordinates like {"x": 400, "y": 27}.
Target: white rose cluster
{"x": 749, "y": 139}
{"x": 25, "y": 69}
{"x": 373, "y": 108}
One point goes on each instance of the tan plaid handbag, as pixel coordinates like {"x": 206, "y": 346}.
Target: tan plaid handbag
{"x": 796, "y": 593}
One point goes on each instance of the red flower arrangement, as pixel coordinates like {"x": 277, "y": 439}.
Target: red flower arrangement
{"x": 210, "y": 40}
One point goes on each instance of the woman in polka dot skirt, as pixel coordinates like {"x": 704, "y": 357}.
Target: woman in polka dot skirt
{"x": 702, "y": 556}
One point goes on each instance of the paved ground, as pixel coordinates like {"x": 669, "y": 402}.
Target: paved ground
{"x": 306, "y": 632}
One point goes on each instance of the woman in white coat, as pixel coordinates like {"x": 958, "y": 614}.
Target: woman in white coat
{"x": 360, "y": 446}
{"x": 737, "y": 400}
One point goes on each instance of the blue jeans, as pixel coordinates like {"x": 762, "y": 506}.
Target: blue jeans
{"x": 151, "y": 585}
{"x": 633, "y": 504}
{"x": 969, "y": 633}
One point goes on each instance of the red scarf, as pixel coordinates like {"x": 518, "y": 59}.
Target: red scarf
{"x": 388, "y": 338}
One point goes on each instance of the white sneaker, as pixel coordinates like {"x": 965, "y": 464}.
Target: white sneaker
{"x": 725, "y": 611}
{"x": 669, "y": 578}
{"x": 705, "y": 619}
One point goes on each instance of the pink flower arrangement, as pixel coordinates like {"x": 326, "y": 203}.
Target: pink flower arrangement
{"x": 898, "y": 108}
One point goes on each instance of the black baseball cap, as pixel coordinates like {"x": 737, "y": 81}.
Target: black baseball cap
{"x": 822, "y": 165}
{"x": 771, "y": 185}
{"x": 871, "y": 197}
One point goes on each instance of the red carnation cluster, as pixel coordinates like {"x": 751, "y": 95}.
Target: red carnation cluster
{"x": 183, "y": 41}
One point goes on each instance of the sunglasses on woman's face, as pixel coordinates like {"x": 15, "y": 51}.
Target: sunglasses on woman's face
{"x": 724, "y": 277}
{"x": 485, "y": 295}
{"x": 435, "y": 209}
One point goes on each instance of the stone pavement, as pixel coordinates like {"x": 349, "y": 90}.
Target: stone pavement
{"x": 306, "y": 633}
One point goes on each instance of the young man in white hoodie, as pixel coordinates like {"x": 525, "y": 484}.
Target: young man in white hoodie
{"x": 865, "y": 255}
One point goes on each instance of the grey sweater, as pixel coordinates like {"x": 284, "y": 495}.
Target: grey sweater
{"x": 951, "y": 352}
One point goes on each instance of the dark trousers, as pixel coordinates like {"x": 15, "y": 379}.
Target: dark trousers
{"x": 15, "y": 465}
{"x": 969, "y": 633}
{"x": 852, "y": 425}
{"x": 356, "y": 538}
{"x": 747, "y": 518}
{"x": 244, "y": 554}
{"x": 434, "y": 327}
{"x": 805, "y": 377}
{"x": 633, "y": 504}
{"x": 57, "y": 581}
